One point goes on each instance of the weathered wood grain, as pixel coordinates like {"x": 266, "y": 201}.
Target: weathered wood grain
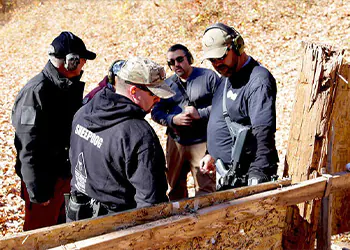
{"x": 62, "y": 234}
{"x": 314, "y": 139}
{"x": 253, "y": 222}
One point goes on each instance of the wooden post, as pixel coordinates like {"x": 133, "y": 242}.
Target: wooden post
{"x": 340, "y": 120}
{"x": 317, "y": 106}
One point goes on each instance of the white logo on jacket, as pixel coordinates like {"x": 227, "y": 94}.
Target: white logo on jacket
{"x": 88, "y": 135}
{"x": 80, "y": 173}
{"x": 231, "y": 95}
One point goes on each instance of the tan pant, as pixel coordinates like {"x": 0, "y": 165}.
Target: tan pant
{"x": 182, "y": 159}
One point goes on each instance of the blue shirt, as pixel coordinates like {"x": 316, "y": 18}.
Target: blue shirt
{"x": 199, "y": 91}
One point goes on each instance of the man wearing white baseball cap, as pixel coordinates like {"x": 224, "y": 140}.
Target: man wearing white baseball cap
{"x": 250, "y": 93}
{"x": 117, "y": 160}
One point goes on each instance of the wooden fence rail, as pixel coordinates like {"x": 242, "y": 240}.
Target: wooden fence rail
{"x": 45, "y": 238}
{"x": 244, "y": 218}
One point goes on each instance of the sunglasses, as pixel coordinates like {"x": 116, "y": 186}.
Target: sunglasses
{"x": 144, "y": 88}
{"x": 215, "y": 60}
{"x": 179, "y": 59}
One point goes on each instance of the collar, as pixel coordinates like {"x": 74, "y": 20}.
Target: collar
{"x": 60, "y": 81}
{"x": 246, "y": 62}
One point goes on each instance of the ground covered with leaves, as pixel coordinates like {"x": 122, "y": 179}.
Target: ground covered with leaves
{"x": 273, "y": 32}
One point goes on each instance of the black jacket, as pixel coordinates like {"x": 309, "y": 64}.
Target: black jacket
{"x": 42, "y": 116}
{"x": 251, "y": 101}
{"x": 116, "y": 156}
{"x": 199, "y": 92}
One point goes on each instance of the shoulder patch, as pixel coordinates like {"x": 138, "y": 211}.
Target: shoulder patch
{"x": 28, "y": 115}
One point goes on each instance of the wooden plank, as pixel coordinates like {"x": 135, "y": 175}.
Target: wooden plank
{"x": 70, "y": 232}
{"x": 210, "y": 222}
{"x": 204, "y": 230}
{"x": 245, "y": 211}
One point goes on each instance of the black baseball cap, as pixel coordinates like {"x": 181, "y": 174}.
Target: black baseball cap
{"x": 67, "y": 43}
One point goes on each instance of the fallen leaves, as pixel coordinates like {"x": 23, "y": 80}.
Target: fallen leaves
{"x": 272, "y": 30}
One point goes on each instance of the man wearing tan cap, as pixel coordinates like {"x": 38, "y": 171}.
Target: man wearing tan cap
{"x": 250, "y": 101}
{"x": 117, "y": 160}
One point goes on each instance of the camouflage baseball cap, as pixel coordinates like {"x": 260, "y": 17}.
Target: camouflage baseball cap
{"x": 143, "y": 71}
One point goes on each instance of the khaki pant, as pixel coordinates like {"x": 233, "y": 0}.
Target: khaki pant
{"x": 182, "y": 159}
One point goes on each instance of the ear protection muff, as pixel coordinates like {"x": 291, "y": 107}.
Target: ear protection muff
{"x": 113, "y": 69}
{"x": 111, "y": 75}
{"x": 71, "y": 61}
{"x": 233, "y": 37}
{"x": 189, "y": 57}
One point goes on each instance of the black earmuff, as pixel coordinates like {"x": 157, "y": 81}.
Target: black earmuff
{"x": 71, "y": 60}
{"x": 233, "y": 37}
{"x": 111, "y": 75}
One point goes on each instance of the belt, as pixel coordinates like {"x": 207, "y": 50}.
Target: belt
{"x": 80, "y": 198}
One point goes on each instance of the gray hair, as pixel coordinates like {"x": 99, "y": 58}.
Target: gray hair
{"x": 57, "y": 62}
{"x": 121, "y": 86}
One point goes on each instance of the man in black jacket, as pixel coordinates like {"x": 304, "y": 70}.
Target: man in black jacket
{"x": 42, "y": 116}
{"x": 117, "y": 160}
{"x": 251, "y": 101}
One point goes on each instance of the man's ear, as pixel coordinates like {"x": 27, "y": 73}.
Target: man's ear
{"x": 133, "y": 94}
{"x": 132, "y": 90}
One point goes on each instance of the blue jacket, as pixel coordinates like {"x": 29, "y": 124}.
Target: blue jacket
{"x": 199, "y": 91}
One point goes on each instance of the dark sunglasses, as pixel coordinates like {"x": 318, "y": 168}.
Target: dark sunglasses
{"x": 215, "y": 60}
{"x": 179, "y": 59}
{"x": 144, "y": 88}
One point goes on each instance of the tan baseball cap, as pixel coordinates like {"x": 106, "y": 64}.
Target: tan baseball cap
{"x": 214, "y": 43}
{"x": 143, "y": 71}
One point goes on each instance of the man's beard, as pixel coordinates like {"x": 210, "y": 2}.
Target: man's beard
{"x": 225, "y": 70}
{"x": 179, "y": 73}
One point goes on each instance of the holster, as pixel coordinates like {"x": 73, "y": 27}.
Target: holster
{"x": 232, "y": 176}
{"x": 78, "y": 207}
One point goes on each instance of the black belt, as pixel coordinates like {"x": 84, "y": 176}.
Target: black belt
{"x": 80, "y": 198}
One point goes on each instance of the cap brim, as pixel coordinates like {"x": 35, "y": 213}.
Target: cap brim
{"x": 162, "y": 90}
{"x": 214, "y": 53}
{"x": 89, "y": 55}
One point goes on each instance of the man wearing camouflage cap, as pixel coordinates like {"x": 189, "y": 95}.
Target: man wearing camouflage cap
{"x": 117, "y": 160}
